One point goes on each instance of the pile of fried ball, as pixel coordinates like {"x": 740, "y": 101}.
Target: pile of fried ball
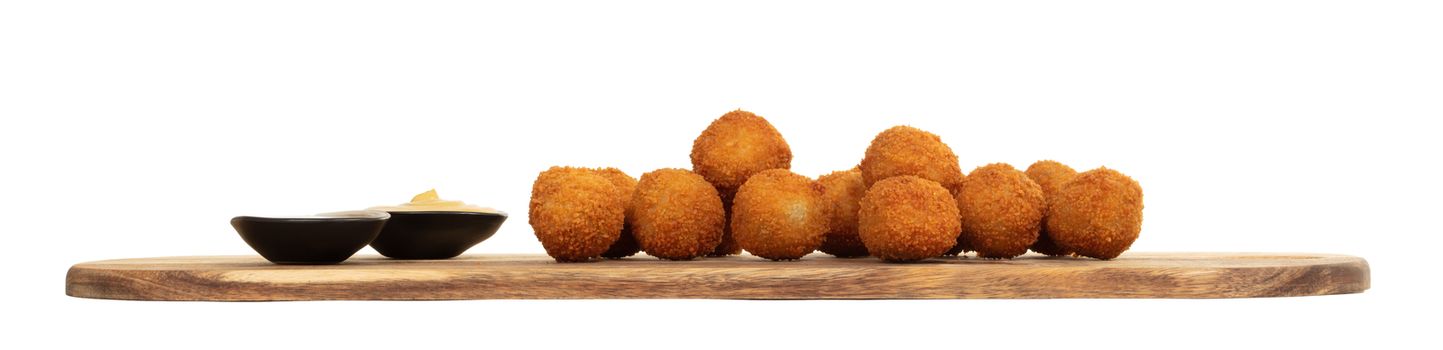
{"x": 908, "y": 200}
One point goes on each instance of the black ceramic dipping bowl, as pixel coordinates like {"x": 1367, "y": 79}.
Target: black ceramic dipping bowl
{"x": 434, "y": 234}
{"x": 315, "y": 240}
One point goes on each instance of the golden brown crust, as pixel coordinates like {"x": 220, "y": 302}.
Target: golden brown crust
{"x": 1001, "y": 211}
{"x": 737, "y": 145}
{"x": 576, "y": 213}
{"x": 843, "y": 191}
{"x": 678, "y": 216}
{"x": 907, "y": 218}
{"x": 1098, "y": 214}
{"x": 905, "y": 150}
{"x": 728, "y": 244}
{"x": 779, "y": 215}
{"x": 1050, "y": 175}
{"x": 625, "y": 245}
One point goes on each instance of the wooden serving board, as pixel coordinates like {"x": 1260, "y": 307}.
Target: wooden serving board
{"x": 1134, "y": 275}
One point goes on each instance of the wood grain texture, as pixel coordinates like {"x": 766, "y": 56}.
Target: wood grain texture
{"x": 1134, "y": 275}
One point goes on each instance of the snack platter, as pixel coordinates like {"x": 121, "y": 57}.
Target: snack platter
{"x": 904, "y": 223}
{"x": 817, "y": 276}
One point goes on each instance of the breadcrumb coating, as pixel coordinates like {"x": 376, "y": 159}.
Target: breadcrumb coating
{"x": 843, "y": 191}
{"x": 576, "y": 213}
{"x": 779, "y": 215}
{"x": 736, "y": 146}
{"x": 679, "y": 215}
{"x": 1050, "y": 175}
{"x": 728, "y": 244}
{"x": 905, "y": 150}
{"x": 907, "y": 218}
{"x": 1098, "y": 214}
{"x": 625, "y": 245}
{"x": 1001, "y": 211}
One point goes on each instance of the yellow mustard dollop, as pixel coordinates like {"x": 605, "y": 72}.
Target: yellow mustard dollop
{"x": 430, "y": 201}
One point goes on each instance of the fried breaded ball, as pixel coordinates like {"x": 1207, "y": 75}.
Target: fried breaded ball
{"x": 625, "y": 245}
{"x": 1098, "y": 214}
{"x": 679, "y": 215}
{"x": 735, "y": 146}
{"x": 728, "y": 244}
{"x": 1050, "y": 175}
{"x": 907, "y": 218}
{"x": 843, "y": 191}
{"x": 1001, "y": 211}
{"x": 905, "y": 150}
{"x": 779, "y": 215}
{"x": 576, "y": 213}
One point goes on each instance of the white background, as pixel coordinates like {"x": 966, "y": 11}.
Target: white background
{"x": 138, "y": 128}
